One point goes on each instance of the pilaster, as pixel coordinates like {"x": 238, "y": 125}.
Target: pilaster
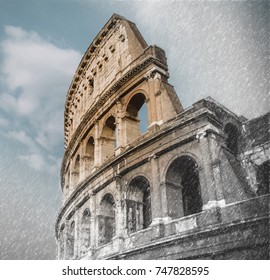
{"x": 211, "y": 170}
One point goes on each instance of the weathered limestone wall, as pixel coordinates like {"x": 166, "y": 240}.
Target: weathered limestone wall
{"x": 199, "y": 177}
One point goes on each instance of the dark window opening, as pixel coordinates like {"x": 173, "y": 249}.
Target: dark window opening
{"x": 90, "y": 85}
{"x": 85, "y": 231}
{"x": 106, "y": 219}
{"x": 192, "y": 202}
{"x": 138, "y": 201}
{"x": 232, "y": 135}
{"x": 183, "y": 188}
{"x": 147, "y": 214}
{"x": 71, "y": 240}
{"x": 91, "y": 82}
{"x": 263, "y": 173}
{"x": 89, "y": 155}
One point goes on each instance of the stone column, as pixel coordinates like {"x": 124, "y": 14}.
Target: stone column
{"x": 118, "y": 212}
{"x": 86, "y": 166}
{"x": 77, "y": 231}
{"x": 97, "y": 151}
{"x": 163, "y": 199}
{"x": 214, "y": 149}
{"x": 65, "y": 240}
{"x": 93, "y": 225}
{"x": 151, "y": 108}
{"x": 62, "y": 240}
{"x": 120, "y": 137}
{"x": 154, "y": 82}
{"x": 158, "y": 193}
{"x": 74, "y": 180}
{"x": 119, "y": 227}
{"x": 157, "y": 202}
{"x": 211, "y": 175}
{"x": 157, "y": 92}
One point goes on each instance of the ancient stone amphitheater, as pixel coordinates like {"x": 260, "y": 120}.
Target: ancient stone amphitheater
{"x": 142, "y": 178}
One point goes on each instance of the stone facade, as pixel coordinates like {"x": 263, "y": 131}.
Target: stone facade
{"x": 194, "y": 185}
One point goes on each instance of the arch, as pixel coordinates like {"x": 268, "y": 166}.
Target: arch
{"x": 85, "y": 231}
{"x": 108, "y": 138}
{"x": 89, "y": 158}
{"x": 136, "y": 117}
{"x": 67, "y": 182}
{"x": 106, "y": 219}
{"x": 76, "y": 170}
{"x": 232, "y": 135}
{"x": 176, "y": 155}
{"x": 183, "y": 187}
{"x": 71, "y": 240}
{"x": 61, "y": 242}
{"x": 138, "y": 203}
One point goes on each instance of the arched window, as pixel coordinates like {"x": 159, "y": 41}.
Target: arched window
{"x": 61, "y": 242}
{"x": 89, "y": 155}
{"x": 67, "y": 182}
{"x": 136, "y": 117}
{"x": 90, "y": 85}
{"x": 76, "y": 170}
{"x": 71, "y": 240}
{"x": 138, "y": 205}
{"x": 263, "y": 180}
{"x": 108, "y": 139}
{"x": 85, "y": 231}
{"x": 183, "y": 188}
{"x": 106, "y": 219}
{"x": 232, "y": 134}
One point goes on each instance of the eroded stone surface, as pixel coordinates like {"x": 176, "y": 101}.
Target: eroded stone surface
{"x": 198, "y": 178}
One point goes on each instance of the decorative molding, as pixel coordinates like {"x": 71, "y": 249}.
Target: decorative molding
{"x": 102, "y": 100}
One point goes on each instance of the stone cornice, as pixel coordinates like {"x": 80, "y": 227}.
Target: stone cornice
{"x": 90, "y": 52}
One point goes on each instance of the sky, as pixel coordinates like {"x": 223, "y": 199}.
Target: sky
{"x": 214, "y": 48}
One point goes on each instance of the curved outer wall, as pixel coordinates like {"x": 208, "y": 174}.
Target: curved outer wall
{"x": 133, "y": 195}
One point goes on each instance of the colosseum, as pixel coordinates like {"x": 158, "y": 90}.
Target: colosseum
{"x": 143, "y": 178}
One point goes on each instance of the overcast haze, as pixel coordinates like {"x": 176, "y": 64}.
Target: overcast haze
{"x": 217, "y": 49}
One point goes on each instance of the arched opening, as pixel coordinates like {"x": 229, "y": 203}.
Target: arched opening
{"x": 67, "y": 182}
{"x": 143, "y": 117}
{"x": 136, "y": 119}
{"x": 108, "y": 139}
{"x": 61, "y": 243}
{"x": 232, "y": 134}
{"x": 76, "y": 170}
{"x": 89, "y": 156}
{"x": 106, "y": 219}
{"x": 85, "y": 231}
{"x": 263, "y": 180}
{"x": 90, "y": 85}
{"x": 183, "y": 188}
{"x": 138, "y": 204}
{"x": 71, "y": 240}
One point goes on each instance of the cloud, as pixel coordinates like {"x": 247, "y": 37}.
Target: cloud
{"x": 35, "y": 161}
{"x": 216, "y": 49}
{"x": 35, "y": 74}
{"x": 4, "y": 122}
{"x": 23, "y": 138}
